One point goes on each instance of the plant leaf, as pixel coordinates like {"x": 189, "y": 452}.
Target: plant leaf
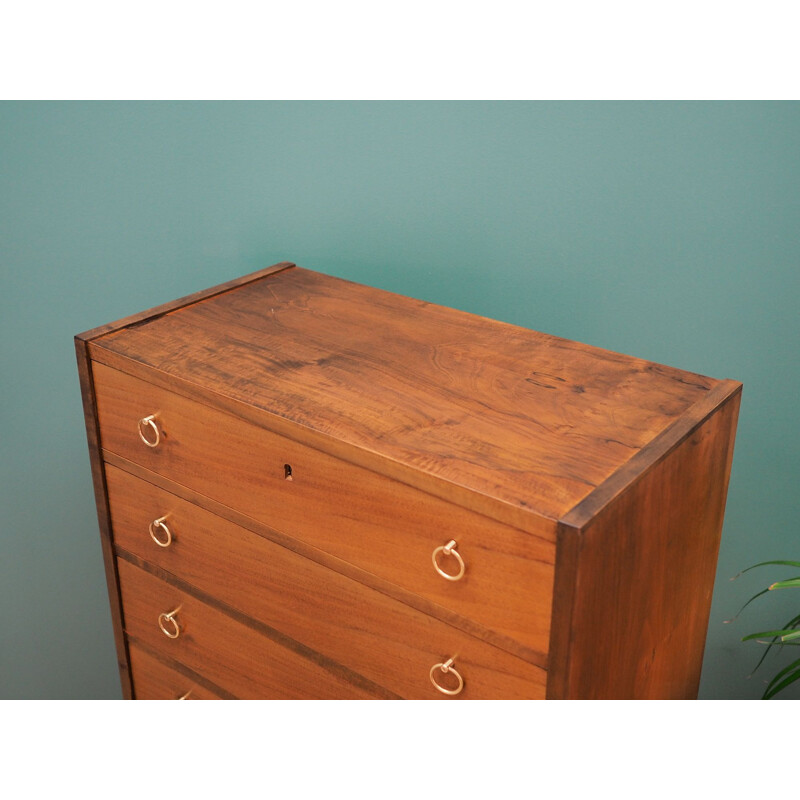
{"x": 766, "y": 563}
{"x": 763, "y": 591}
{"x": 776, "y": 634}
{"x": 778, "y": 675}
{"x": 792, "y": 672}
{"x": 792, "y": 623}
{"x": 785, "y": 584}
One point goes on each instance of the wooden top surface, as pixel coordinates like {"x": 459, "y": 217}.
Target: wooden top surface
{"x": 522, "y": 417}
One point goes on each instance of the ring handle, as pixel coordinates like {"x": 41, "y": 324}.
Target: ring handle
{"x": 447, "y": 668}
{"x": 154, "y": 526}
{"x": 146, "y": 424}
{"x": 168, "y": 619}
{"x": 449, "y": 549}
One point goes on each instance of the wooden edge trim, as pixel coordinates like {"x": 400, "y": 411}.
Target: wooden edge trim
{"x": 501, "y": 641}
{"x": 176, "y": 666}
{"x": 653, "y": 452}
{"x": 103, "y": 512}
{"x": 568, "y": 546}
{"x": 265, "y": 630}
{"x": 173, "y": 305}
{"x": 731, "y": 447}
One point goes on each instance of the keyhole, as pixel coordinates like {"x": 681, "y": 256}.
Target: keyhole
{"x": 287, "y": 471}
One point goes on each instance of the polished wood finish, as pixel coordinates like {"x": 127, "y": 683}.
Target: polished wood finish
{"x": 376, "y": 636}
{"x": 320, "y": 439}
{"x": 157, "y": 678}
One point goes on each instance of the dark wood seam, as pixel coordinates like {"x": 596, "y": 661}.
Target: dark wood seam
{"x": 564, "y": 593}
{"x": 265, "y": 630}
{"x": 183, "y": 669}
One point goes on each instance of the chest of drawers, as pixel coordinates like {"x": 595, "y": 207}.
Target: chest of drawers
{"x": 307, "y": 488}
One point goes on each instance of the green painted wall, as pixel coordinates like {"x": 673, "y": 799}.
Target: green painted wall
{"x": 663, "y": 230}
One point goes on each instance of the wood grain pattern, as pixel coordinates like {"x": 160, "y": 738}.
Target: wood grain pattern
{"x": 531, "y": 420}
{"x": 376, "y": 636}
{"x": 103, "y": 517}
{"x": 234, "y": 656}
{"x": 636, "y": 573}
{"x": 385, "y": 527}
{"x": 153, "y": 679}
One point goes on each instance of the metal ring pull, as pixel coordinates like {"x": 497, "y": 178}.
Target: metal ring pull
{"x": 146, "y": 423}
{"x": 169, "y": 619}
{"x": 185, "y": 696}
{"x": 448, "y": 669}
{"x": 154, "y": 526}
{"x": 449, "y": 549}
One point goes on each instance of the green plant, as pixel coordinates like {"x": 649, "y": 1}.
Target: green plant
{"x": 787, "y": 636}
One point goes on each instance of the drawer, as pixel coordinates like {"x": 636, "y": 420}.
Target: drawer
{"x": 373, "y": 522}
{"x": 228, "y": 653}
{"x": 154, "y": 680}
{"x": 375, "y": 635}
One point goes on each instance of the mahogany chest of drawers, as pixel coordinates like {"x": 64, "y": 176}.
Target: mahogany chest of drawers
{"x": 308, "y": 488}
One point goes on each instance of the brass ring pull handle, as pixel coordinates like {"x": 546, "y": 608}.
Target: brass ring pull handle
{"x": 169, "y": 625}
{"x": 185, "y": 696}
{"x": 448, "y": 669}
{"x": 145, "y": 425}
{"x": 449, "y": 549}
{"x": 157, "y": 524}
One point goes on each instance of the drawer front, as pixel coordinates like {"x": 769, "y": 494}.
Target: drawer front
{"x": 365, "y": 519}
{"x": 378, "y": 637}
{"x": 154, "y": 680}
{"x": 228, "y": 653}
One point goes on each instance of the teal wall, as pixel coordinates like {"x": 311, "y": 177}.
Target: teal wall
{"x": 669, "y": 231}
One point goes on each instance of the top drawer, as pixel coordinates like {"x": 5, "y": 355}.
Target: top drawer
{"x": 373, "y": 522}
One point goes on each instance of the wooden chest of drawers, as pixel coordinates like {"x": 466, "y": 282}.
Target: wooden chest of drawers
{"x": 308, "y": 488}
